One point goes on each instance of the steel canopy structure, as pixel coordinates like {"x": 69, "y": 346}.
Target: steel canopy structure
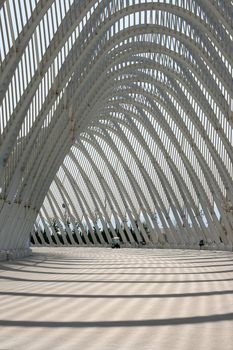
{"x": 116, "y": 116}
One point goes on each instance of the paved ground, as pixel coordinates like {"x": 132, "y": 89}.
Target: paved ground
{"x": 103, "y": 299}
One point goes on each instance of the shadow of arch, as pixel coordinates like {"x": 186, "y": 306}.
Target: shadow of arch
{"x": 118, "y": 296}
{"x": 126, "y": 323}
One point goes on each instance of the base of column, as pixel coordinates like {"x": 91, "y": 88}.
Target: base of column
{"x": 13, "y": 254}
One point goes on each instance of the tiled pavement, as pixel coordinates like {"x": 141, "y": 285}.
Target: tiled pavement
{"x": 103, "y": 299}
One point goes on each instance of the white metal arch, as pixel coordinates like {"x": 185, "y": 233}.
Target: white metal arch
{"x": 132, "y": 97}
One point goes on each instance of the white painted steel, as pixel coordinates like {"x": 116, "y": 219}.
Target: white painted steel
{"x": 116, "y": 117}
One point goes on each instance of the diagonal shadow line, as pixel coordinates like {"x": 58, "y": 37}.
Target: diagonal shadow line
{"x": 10, "y": 269}
{"x": 104, "y": 267}
{"x": 155, "y": 263}
{"x": 119, "y": 296}
{"x": 112, "y": 281}
{"x": 125, "y": 323}
{"x": 114, "y": 266}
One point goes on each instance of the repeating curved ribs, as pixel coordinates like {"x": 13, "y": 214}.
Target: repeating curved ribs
{"x": 116, "y": 118}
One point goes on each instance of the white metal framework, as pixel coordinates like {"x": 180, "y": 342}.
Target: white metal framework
{"x": 116, "y": 117}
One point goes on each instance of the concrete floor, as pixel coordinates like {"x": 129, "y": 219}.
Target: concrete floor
{"x": 97, "y": 298}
